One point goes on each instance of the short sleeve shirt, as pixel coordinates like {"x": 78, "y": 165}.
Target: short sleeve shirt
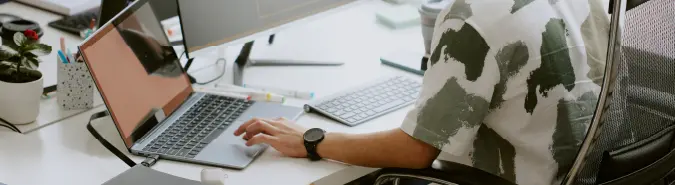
{"x": 511, "y": 85}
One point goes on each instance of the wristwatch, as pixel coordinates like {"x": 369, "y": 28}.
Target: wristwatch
{"x": 312, "y": 139}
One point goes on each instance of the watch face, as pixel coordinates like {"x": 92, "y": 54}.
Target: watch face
{"x": 313, "y": 135}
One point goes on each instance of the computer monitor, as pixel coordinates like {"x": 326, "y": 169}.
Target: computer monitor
{"x": 215, "y": 22}
{"x": 206, "y": 23}
{"x": 109, "y": 9}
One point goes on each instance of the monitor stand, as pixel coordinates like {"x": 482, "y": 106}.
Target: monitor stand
{"x": 243, "y": 61}
{"x": 193, "y": 80}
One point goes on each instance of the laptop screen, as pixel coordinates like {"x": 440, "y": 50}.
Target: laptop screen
{"x": 135, "y": 69}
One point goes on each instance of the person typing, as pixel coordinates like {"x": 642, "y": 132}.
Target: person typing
{"x": 510, "y": 89}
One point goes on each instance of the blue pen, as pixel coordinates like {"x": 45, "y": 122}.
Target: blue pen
{"x": 63, "y": 57}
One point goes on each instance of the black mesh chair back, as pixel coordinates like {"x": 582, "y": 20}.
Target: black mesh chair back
{"x": 632, "y": 137}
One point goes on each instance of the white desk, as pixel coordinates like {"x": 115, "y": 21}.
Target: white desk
{"x": 352, "y": 36}
{"x": 50, "y": 111}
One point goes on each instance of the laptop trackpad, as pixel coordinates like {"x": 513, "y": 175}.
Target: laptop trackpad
{"x": 229, "y": 150}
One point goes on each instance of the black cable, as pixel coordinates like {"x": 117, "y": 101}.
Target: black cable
{"x": 212, "y": 80}
{"x": 181, "y": 55}
{"x": 10, "y": 125}
{"x": 104, "y": 142}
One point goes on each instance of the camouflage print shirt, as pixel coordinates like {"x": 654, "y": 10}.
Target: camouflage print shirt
{"x": 512, "y": 85}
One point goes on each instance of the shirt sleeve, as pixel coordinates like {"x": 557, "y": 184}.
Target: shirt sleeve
{"x": 457, "y": 89}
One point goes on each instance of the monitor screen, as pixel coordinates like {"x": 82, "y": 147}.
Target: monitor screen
{"x": 214, "y": 22}
{"x": 135, "y": 70}
{"x": 110, "y": 8}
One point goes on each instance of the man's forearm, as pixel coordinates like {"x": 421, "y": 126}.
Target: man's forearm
{"x": 391, "y": 148}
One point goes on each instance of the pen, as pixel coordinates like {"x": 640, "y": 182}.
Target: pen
{"x": 62, "y": 41}
{"x": 268, "y": 97}
{"x": 285, "y": 92}
{"x": 63, "y": 57}
{"x": 253, "y": 95}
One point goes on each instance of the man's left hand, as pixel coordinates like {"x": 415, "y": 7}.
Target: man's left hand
{"x": 282, "y": 134}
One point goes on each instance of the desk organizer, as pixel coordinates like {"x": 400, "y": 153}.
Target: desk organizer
{"x": 75, "y": 87}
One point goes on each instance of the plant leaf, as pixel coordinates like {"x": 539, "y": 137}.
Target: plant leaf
{"x": 8, "y": 50}
{"x": 7, "y": 68}
{"x": 4, "y": 65}
{"x": 41, "y": 49}
{"x": 33, "y": 62}
{"x": 7, "y": 53}
{"x": 20, "y": 39}
{"x": 27, "y": 63}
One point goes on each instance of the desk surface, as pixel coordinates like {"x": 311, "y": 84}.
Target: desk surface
{"x": 65, "y": 153}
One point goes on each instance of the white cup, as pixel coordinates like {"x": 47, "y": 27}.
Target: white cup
{"x": 429, "y": 12}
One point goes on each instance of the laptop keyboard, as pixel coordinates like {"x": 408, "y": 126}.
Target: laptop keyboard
{"x": 200, "y": 125}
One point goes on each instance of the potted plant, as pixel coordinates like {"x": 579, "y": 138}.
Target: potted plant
{"x": 20, "y": 81}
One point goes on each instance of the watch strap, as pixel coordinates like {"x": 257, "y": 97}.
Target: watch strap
{"x": 311, "y": 151}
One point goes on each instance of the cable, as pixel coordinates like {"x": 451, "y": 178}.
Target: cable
{"x": 222, "y": 73}
{"x": 10, "y": 126}
{"x": 214, "y": 79}
{"x": 181, "y": 55}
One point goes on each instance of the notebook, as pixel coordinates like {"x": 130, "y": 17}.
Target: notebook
{"x": 141, "y": 175}
{"x": 353, "y": 175}
{"x": 64, "y": 7}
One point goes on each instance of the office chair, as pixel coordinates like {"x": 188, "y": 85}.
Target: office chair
{"x": 631, "y": 139}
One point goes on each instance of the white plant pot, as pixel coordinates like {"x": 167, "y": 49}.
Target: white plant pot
{"x": 20, "y": 102}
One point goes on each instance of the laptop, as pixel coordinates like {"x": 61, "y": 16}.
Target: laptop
{"x": 152, "y": 103}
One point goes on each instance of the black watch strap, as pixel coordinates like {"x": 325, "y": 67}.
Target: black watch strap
{"x": 311, "y": 151}
{"x": 312, "y": 138}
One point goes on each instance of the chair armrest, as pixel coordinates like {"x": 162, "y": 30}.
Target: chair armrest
{"x": 444, "y": 172}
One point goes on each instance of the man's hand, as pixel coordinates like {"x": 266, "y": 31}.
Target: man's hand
{"x": 283, "y": 135}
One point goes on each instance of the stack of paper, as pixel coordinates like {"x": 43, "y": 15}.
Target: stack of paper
{"x": 64, "y": 7}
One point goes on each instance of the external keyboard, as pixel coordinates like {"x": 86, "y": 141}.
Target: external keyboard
{"x": 369, "y": 101}
{"x": 200, "y": 125}
{"x": 76, "y": 23}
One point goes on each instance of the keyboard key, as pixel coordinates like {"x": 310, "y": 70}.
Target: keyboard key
{"x": 200, "y": 146}
{"x": 351, "y": 120}
{"x": 331, "y": 110}
{"x": 347, "y": 115}
{"x": 348, "y": 110}
{"x": 339, "y": 113}
{"x": 388, "y": 105}
{"x": 370, "y": 113}
{"x": 324, "y": 106}
{"x": 162, "y": 150}
{"x": 183, "y": 152}
{"x": 363, "y": 115}
{"x": 193, "y": 153}
{"x": 172, "y": 152}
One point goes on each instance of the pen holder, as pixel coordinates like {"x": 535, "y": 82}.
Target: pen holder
{"x": 75, "y": 88}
